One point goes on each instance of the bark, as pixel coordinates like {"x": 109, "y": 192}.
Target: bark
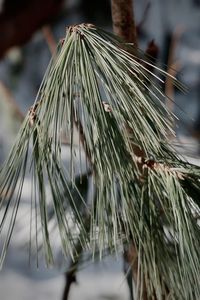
{"x": 124, "y": 26}
{"x": 123, "y": 20}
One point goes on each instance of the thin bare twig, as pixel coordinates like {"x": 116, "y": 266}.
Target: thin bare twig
{"x": 11, "y": 101}
{"x": 172, "y": 69}
{"x": 70, "y": 278}
{"x": 49, "y": 37}
{"x": 144, "y": 18}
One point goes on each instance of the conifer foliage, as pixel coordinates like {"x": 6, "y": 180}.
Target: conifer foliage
{"x": 143, "y": 192}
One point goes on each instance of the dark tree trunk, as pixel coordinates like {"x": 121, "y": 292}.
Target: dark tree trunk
{"x": 123, "y": 20}
{"x": 124, "y": 26}
{"x": 70, "y": 278}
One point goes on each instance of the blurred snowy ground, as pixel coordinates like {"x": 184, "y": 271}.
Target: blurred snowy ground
{"x": 98, "y": 281}
{"x": 95, "y": 281}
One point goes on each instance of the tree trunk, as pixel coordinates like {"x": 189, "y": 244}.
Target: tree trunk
{"x": 123, "y": 20}
{"x": 124, "y": 26}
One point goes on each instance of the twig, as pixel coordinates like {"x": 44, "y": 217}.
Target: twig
{"x": 144, "y": 17}
{"x": 11, "y": 101}
{"x": 48, "y": 35}
{"x": 169, "y": 87}
{"x": 172, "y": 69}
{"x": 70, "y": 277}
{"x": 152, "y": 52}
{"x": 124, "y": 26}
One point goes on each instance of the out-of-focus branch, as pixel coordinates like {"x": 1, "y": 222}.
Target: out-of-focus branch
{"x": 49, "y": 37}
{"x": 123, "y": 20}
{"x": 152, "y": 52}
{"x": 172, "y": 69}
{"x": 169, "y": 86}
{"x": 11, "y": 101}
{"x": 139, "y": 27}
{"x": 125, "y": 27}
{"x": 70, "y": 278}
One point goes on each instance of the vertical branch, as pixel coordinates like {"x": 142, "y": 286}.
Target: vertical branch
{"x": 11, "y": 101}
{"x": 50, "y": 40}
{"x": 70, "y": 277}
{"x": 172, "y": 68}
{"x": 124, "y": 26}
{"x": 123, "y": 20}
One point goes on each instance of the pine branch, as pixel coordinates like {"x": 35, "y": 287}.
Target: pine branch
{"x": 125, "y": 27}
{"x": 93, "y": 80}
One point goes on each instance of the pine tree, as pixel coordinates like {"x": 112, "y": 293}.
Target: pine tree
{"x": 100, "y": 88}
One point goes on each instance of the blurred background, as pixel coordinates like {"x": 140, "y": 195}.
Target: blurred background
{"x": 29, "y": 32}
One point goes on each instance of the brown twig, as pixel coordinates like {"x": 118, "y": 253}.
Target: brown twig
{"x": 124, "y": 26}
{"x": 49, "y": 37}
{"x": 172, "y": 69}
{"x": 11, "y": 101}
{"x": 169, "y": 86}
{"x": 152, "y": 52}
